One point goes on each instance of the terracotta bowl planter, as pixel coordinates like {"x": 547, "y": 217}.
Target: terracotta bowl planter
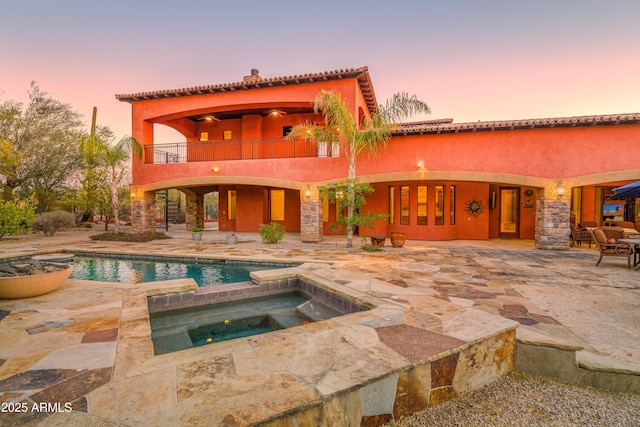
{"x": 378, "y": 241}
{"x": 33, "y": 286}
{"x": 397, "y": 239}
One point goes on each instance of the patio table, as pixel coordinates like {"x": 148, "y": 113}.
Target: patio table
{"x": 635, "y": 245}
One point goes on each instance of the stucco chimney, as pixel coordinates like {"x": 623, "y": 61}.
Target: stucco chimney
{"x": 254, "y": 77}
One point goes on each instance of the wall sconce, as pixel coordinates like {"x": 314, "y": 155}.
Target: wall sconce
{"x": 560, "y": 189}
{"x": 421, "y": 167}
{"x": 307, "y": 192}
{"x": 215, "y": 169}
{"x": 133, "y": 194}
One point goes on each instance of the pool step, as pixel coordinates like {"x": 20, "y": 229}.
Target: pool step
{"x": 315, "y": 310}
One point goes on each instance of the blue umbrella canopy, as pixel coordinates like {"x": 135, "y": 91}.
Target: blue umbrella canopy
{"x": 629, "y": 191}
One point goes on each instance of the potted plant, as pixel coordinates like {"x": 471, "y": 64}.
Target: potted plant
{"x": 196, "y": 233}
{"x": 232, "y": 239}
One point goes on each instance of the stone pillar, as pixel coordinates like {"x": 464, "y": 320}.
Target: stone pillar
{"x": 143, "y": 210}
{"x": 311, "y": 220}
{"x": 552, "y": 223}
{"x": 194, "y": 211}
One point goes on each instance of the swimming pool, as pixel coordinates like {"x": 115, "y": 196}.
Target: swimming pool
{"x": 137, "y": 270}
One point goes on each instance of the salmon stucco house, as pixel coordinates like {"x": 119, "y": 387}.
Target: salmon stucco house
{"x": 532, "y": 177}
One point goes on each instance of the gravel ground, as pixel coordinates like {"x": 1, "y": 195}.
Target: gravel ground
{"x": 525, "y": 400}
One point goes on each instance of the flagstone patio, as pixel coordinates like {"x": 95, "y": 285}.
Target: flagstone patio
{"x": 446, "y": 319}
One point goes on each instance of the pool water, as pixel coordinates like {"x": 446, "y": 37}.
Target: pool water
{"x": 228, "y": 330}
{"x": 197, "y": 326}
{"x": 138, "y": 271}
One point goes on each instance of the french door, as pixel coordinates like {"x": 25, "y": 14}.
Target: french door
{"x": 509, "y": 212}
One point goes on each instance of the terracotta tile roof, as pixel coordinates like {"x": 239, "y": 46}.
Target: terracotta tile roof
{"x": 446, "y": 125}
{"x": 362, "y": 74}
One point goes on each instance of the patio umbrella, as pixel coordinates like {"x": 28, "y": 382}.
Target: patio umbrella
{"x": 629, "y": 191}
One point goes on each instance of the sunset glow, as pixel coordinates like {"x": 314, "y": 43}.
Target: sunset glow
{"x": 470, "y": 61}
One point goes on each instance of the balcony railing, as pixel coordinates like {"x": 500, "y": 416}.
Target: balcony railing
{"x": 248, "y": 149}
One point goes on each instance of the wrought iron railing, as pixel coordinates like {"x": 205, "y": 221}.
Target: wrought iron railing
{"x": 274, "y": 148}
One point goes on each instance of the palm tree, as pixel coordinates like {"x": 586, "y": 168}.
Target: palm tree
{"x": 98, "y": 153}
{"x": 113, "y": 157}
{"x": 354, "y": 138}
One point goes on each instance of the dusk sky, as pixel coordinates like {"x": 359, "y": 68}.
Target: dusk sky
{"x": 469, "y": 60}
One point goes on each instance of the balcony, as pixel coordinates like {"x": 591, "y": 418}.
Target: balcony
{"x": 246, "y": 149}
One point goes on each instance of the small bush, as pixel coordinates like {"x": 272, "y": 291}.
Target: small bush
{"x": 51, "y": 222}
{"x": 14, "y": 219}
{"x": 370, "y": 248}
{"x": 272, "y": 232}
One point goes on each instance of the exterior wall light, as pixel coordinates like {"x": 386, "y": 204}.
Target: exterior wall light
{"x": 560, "y": 189}
{"x": 307, "y": 192}
{"x": 421, "y": 165}
{"x": 215, "y": 169}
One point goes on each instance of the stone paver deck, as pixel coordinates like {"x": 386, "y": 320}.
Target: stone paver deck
{"x": 88, "y": 344}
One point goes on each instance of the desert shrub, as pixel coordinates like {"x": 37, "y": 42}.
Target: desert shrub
{"x": 14, "y": 219}
{"x": 130, "y": 237}
{"x": 272, "y": 232}
{"x": 51, "y": 222}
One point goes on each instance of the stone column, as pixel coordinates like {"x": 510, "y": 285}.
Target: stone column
{"x": 311, "y": 220}
{"x": 194, "y": 211}
{"x": 552, "y": 223}
{"x": 143, "y": 210}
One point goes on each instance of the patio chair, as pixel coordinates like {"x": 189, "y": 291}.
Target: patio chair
{"x": 613, "y": 232}
{"x": 609, "y": 247}
{"x": 579, "y": 235}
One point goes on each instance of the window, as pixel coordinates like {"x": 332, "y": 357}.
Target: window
{"x": 276, "y": 200}
{"x": 422, "y": 205}
{"x": 404, "y": 205}
{"x": 392, "y": 205}
{"x": 226, "y": 135}
{"x": 204, "y": 136}
{"x": 286, "y": 130}
{"x": 231, "y": 205}
{"x": 452, "y": 205}
{"x": 339, "y": 205}
{"x": 576, "y": 205}
{"x": 439, "y": 204}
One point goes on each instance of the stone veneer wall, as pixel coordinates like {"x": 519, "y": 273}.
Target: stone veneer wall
{"x": 194, "y": 211}
{"x": 311, "y": 221}
{"x": 143, "y": 212}
{"x": 423, "y": 383}
{"x": 552, "y": 223}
